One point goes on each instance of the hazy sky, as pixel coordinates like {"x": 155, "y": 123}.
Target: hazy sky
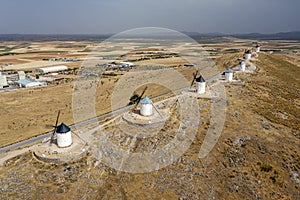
{"x": 113, "y": 16}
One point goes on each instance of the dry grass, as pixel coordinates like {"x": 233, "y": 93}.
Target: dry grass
{"x": 276, "y": 90}
{"x": 28, "y": 111}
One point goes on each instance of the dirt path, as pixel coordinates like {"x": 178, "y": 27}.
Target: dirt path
{"x": 6, "y": 156}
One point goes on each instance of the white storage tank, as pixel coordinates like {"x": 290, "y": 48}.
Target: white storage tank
{"x": 229, "y": 75}
{"x": 63, "y": 135}
{"x": 248, "y": 55}
{"x": 200, "y": 85}
{"x": 146, "y": 107}
{"x": 243, "y": 66}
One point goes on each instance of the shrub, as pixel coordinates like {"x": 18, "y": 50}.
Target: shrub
{"x": 273, "y": 178}
{"x": 266, "y": 168}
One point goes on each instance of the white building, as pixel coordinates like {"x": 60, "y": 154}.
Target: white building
{"x": 248, "y": 55}
{"x": 63, "y": 135}
{"x": 21, "y": 75}
{"x": 46, "y": 70}
{"x": 200, "y": 85}
{"x": 3, "y": 81}
{"x": 127, "y": 64}
{"x": 28, "y": 83}
{"x": 146, "y": 107}
{"x": 243, "y": 65}
{"x": 229, "y": 75}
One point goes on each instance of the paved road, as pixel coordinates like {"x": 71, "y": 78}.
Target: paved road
{"x": 48, "y": 134}
{"x": 84, "y": 123}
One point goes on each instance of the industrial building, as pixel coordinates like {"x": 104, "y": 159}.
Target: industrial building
{"x": 21, "y": 75}
{"x": 46, "y": 70}
{"x": 28, "y": 83}
{"x": 127, "y": 64}
{"x": 3, "y": 81}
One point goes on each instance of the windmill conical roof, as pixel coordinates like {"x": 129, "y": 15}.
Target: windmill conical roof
{"x": 146, "y": 100}
{"x": 62, "y": 128}
{"x": 228, "y": 71}
{"x": 200, "y": 79}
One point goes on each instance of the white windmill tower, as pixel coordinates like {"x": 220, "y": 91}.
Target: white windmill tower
{"x": 257, "y": 48}
{"x": 146, "y": 106}
{"x": 243, "y": 66}
{"x": 146, "y": 103}
{"x": 229, "y": 75}
{"x": 248, "y": 55}
{"x": 200, "y": 85}
{"x": 63, "y": 135}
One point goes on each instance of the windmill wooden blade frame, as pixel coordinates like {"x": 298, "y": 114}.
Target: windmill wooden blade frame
{"x": 194, "y": 78}
{"x": 141, "y": 96}
{"x": 55, "y": 127}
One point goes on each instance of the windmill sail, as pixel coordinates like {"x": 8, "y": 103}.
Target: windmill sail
{"x": 55, "y": 127}
{"x": 194, "y": 78}
{"x": 140, "y": 97}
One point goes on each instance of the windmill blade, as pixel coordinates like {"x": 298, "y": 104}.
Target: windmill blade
{"x": 56, "y": 122}
{"x": 194, "y": 78}
{"x": 144, "y": 92}
{"x": 138, "y": 101}
{"x": 52, "y": 137}
{"x": 141, "y": 96}
{"x": 193, "y": 81}
{"x": 157, "y": 110}
{"x": 195, "y": 74}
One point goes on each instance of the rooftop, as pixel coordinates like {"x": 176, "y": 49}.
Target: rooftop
{"x": 200, "y": 79}
{"x": 26, "y": 81}
{"x": 146, "y": 100}
{"x": 62, "y": 128}
{"x": 228, "y": 71}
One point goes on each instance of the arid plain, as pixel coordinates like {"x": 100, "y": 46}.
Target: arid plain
{"x": 256, "y": 156}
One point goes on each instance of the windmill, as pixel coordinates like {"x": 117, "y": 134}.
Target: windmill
{"x": 55, "y": 127}
{"x": 146, "y": 109}
{"x": 200, "y": 82}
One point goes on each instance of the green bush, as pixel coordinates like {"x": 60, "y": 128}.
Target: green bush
{"x": 266, "y": 168}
